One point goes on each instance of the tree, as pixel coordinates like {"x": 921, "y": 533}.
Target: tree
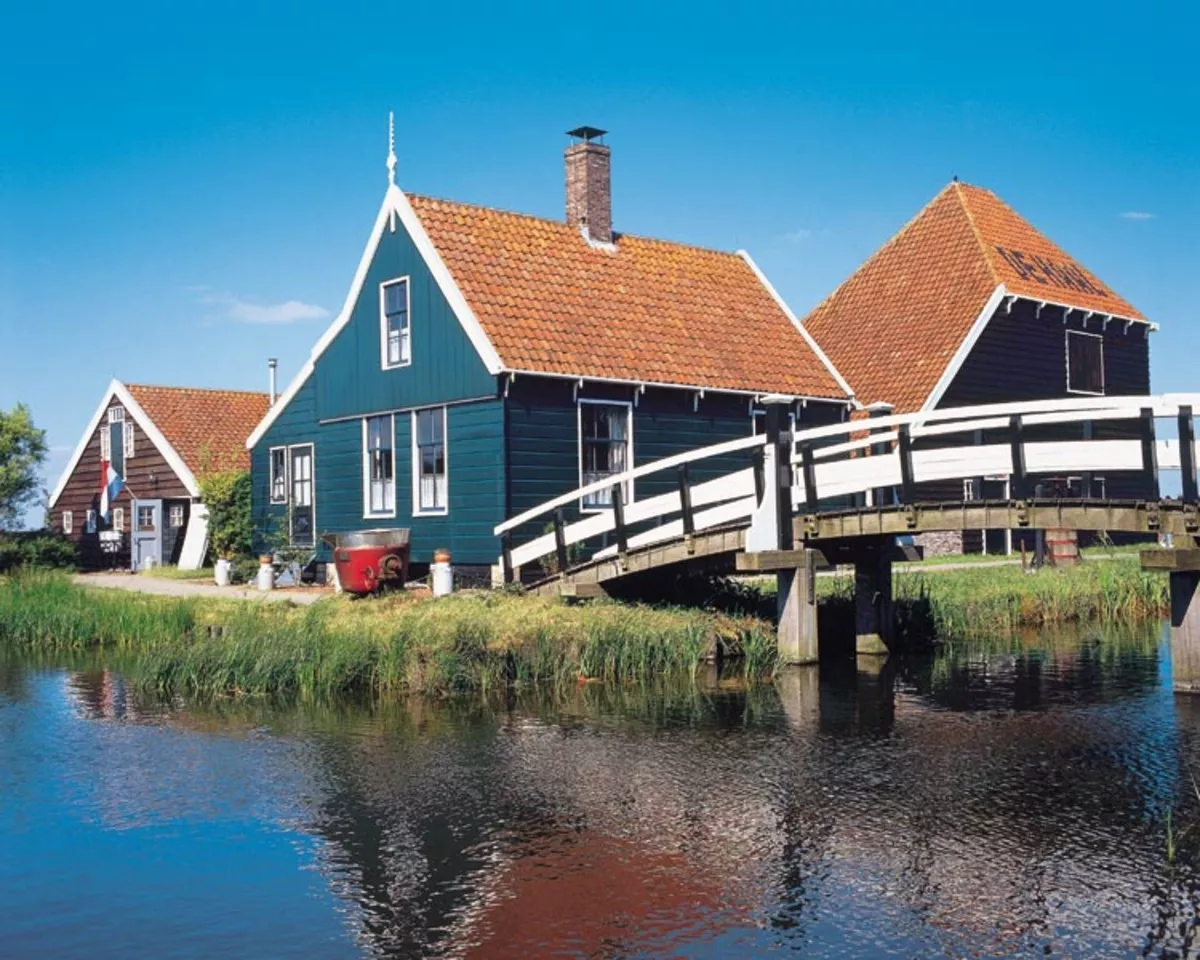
{"x": 230, "y": 523}
{"x": 22, "y": 452}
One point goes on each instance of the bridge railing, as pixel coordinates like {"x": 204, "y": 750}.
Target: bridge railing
{"x": 898, "y": 451}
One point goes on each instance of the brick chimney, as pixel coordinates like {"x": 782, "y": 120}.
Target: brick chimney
{"x": 589, "y": 184}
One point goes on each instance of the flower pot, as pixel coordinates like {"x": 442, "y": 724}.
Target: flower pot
{"x": 223, "y": 572}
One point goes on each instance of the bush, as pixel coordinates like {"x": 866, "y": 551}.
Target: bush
{"x": 230, "y": 518}
{"x": 40, "y": 548}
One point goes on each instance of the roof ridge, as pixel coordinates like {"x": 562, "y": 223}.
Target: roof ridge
{"x": 883, "y": 248}
{"x": 617, "y": 234}
{"x": 966, "y": 208}
{"x": 161, "y": 386}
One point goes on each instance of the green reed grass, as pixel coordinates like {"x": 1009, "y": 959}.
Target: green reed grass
{"x": 471, "y": 641}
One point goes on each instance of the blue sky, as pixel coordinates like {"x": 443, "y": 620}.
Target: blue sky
{"x": 185, "y": 193}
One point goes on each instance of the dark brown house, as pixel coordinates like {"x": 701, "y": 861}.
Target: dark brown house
{"x": 159, "y": 440}
{"x": 970, "y": 304}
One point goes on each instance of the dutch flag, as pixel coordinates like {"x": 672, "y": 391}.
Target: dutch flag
{"x": 111, "y": 486}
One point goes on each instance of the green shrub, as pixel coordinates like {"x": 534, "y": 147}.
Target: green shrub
{"x": 227, "y": 494}
{"x": 41, "y": 548}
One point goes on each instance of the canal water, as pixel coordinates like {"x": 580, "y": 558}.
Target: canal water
{"x": 1020, "y": 798}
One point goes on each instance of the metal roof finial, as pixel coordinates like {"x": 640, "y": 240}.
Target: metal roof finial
{"x": 391, "y": 158}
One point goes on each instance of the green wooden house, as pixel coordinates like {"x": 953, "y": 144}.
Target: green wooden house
{"x": 486, "y": 361}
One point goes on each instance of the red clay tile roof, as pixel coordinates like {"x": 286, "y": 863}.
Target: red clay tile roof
{"x": 207, "y": 428}
{"x": 648, "y": 311}
{"x": 893, "y": 327}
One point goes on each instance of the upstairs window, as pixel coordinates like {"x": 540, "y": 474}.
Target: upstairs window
{"x": 379, "y": 467}
{"x": 278, "y": 474}
{"x": 430, "y": 476}
{"x": 605, "y": 448}
{"x": 1085, "y": 363}
{"x": 395, "y": 339}
{"x": 127, "y": 440}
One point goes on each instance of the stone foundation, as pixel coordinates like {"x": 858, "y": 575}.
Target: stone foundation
{"x": 940, "y": 544}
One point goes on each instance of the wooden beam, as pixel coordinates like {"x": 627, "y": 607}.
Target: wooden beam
{"x": 618, "y": 505}
{"x": 581, "y": 591}
{"x": 769, "y": 561}
{"x": 908, "y": 489}
{"x": 506, "y": 555}
{"x": 1187, "y": 454}
{"x": 685, "y": 501}
{"x": 1016, "y": 439}
{"x": 1171, "y": 560}
{"x": 810, "y": 478}
{"x": 560, "y": 540}
{"x": 1149, "y": 449}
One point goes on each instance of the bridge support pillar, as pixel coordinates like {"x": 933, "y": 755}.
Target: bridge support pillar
{"x": 1185, "y": 630}
{"x": 873, "y": 614}
{"x": 797, "y": 638}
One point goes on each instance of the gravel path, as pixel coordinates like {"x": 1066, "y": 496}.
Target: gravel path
{"x": 193, "y": 588}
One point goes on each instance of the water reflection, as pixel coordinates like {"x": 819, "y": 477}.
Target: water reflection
{"x": 1008, "y": 800}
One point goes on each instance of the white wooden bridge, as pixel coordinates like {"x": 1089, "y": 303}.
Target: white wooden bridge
{"x": 848, "y": 489}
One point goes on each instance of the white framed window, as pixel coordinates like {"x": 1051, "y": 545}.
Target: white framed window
{"x": 302, "y": 479}
{"x": 118, "y": 523}
{"x": 1085, "y": 363}
{"x": 116, "y": 414}
{"x": 279, "y": 478}
{"x": 89, "y": 523}
{"x": 175, "y": 516}
{"x": 605, "y": 448}
{"x": 106, "y": 442}
{"x": 145, "y": 518}
{"x": 127, "y": 439}
{"x": 431, "y": 476}
{"x": 395, "y": 332}
{"x": 68, "y": 521}
{"x": 379, "y": 466}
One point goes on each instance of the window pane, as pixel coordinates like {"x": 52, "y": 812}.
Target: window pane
{"x": 605, "y": 447}
{"x": 1085, "y": 363}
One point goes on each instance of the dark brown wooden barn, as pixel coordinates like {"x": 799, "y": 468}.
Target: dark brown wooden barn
{"x": 159, "y": 440}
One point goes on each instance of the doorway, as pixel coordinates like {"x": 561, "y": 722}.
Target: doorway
{"x": 147, "y": 534}
{"x": 302, "y": 512}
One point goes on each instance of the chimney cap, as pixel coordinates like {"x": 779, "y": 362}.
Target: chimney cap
{"x": 586, "y": 134}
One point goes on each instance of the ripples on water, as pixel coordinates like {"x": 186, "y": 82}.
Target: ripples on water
{"x": 1009, "y": 801}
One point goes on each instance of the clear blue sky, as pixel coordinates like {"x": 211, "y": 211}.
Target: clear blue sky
{"x": 175, "y": 183}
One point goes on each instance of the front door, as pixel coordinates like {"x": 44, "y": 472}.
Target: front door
{"x": 147, "y": 534}
{"x": 302, "y": 494}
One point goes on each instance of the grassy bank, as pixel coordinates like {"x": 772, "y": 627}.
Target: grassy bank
{"x": 471, "y": 641}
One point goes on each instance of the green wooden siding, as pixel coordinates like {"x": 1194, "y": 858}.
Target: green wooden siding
{"x": 444, "y": 367}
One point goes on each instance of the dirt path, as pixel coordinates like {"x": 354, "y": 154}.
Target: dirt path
{"x": 193, "y": 588}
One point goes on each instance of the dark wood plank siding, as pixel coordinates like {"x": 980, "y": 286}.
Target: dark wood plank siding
{"x": 147, "y": 475}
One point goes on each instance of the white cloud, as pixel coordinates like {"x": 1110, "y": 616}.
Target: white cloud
{"x": 245, "y": 311}
{"x": 1137, "y": 215}
{"x": 798, "y": 236}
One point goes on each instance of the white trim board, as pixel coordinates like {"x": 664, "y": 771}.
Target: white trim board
{"x": 808, "y": 338}
{"x": 116, "y": 389}
{"x": 395, "y": 203}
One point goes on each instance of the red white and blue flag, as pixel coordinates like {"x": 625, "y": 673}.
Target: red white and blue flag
{"x": 111, "y": 486}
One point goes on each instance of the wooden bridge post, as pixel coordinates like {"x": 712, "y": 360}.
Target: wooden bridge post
{"x": 1185, "y": 630}
{"x": 873, "y": 612}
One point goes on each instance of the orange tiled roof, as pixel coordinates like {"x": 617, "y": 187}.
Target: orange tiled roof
{"x": 647, "y": 311}
{"x": 893, "y": 327}
{"x": 207, "y": 428}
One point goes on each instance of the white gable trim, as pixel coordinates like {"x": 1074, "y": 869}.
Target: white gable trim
{"x": 119, "y": 391}
{"x": 782, "y": 304}
{"x": 965, "y": 348}
{"x": 395, "y": 204}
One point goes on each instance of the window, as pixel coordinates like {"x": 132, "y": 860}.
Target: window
{"x": 429, "y": 461}
{"x": 67, "y": 521}
{"x": 175, "y": 517}
{"x": 1085, "y": 363}
{"x": 116, "y": 414}
{"x": 605, "y": 448}
{"x": 393, "y": 323}
{"x": 89, "y": 524}
{"x": 302, "y": 511}
{"x": 106, "y": 442}
{"x": 145, "y": 518}
{"x": 127, "y": 440}
{"x": 118, "y": 523}
{"x": 379, "y": 467}
{"x": 279, "y": 474}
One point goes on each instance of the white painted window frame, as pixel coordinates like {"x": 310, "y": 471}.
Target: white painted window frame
{"x": 89, "y": 521}
{"x": 405, "y": 361}
{"x": 629, "y": 447}
{"x": 417, "y": 511}
{"x": 272, "y": 497}
{"x": 1067, "y": 361}
{"x": 68, "y": 522}
{"x": 118, "y": 521}
{"x": 127, "y": 444}
{"x": 174, "y": 510}
{"x": 312, "y": 447}
{"x": 106, "y": 442}
{"x": 116, "y": 414}
{"x": 388, "y": 512}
